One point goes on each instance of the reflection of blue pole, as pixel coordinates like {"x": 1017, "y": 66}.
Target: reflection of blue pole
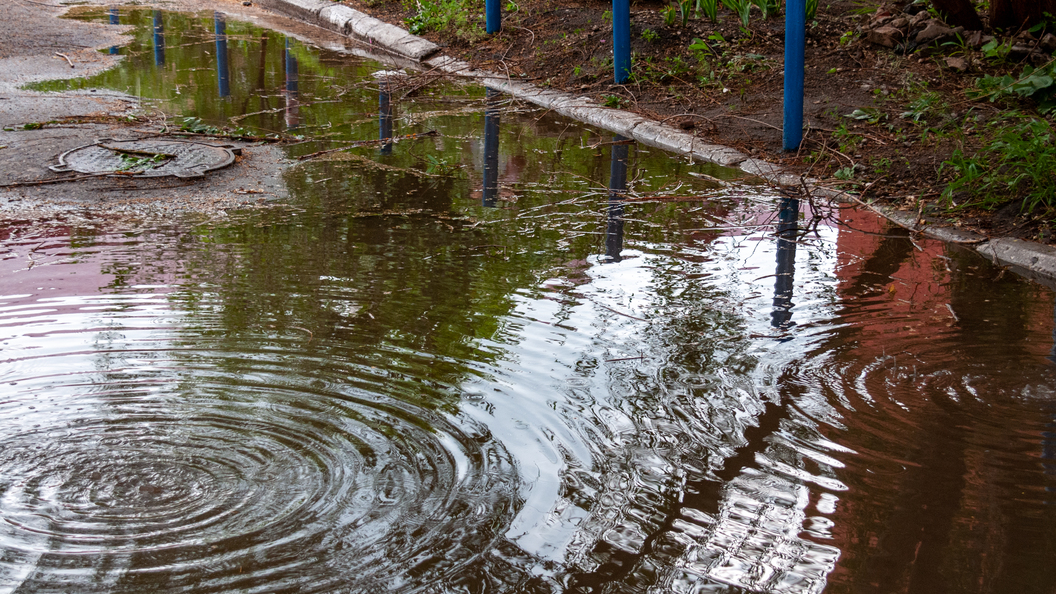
{"x": 159, "y": 39}
{"x": 491, "y": 148}
{"x": 492, "y": 16}
{"x": 795, "y": 53}
{"x": 115, "y": 19}
{"x": 385, "y": 116}
{"x": 621, "y": 39}
{"x": 293, "y": 115}
{"x": 787, "y": 227}
{"x": 223, "y": 76}
{"x": 617, "y": 189}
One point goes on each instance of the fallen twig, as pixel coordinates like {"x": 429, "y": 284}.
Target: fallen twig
{"x": 65, "y": 57}
{"x": 618, "y": 312}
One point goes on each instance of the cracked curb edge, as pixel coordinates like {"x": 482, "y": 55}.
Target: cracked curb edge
{"x": 1034, "y": 261}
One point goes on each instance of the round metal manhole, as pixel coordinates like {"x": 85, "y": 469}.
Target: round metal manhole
{"x": 153, "y": 157}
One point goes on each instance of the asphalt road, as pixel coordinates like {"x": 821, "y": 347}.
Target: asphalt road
{"x": 32, "y": 34}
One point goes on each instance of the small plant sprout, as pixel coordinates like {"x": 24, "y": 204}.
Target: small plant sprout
{"x": 710, "y": 8}
{"x": 670, "y": 14}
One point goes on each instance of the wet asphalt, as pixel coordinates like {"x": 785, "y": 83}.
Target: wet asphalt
{"x": 32, "y": 37}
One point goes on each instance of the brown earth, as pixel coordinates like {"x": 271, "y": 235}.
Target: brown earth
{"x": 731, "y": 92}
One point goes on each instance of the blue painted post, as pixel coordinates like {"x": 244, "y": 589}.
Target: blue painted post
{"x": 492, "y": 16}
{"x": 621, "y": 39}
{"x": 491, "y": 149}
{"x": 159, "y": 39}
{"x": 223, "y": 75}
{"x": 795, "y": 48}
{"x": 115, "y": 19}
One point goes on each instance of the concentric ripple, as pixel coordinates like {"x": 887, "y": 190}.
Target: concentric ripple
{"x": 161, "y": 467}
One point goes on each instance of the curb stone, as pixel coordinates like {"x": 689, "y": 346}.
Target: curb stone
{"x": 1034, "y": 261}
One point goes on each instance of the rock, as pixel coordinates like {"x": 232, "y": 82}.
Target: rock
{"x": 886, "y": 36}
{"x": 957, "y": 63}
{"x": 880, "y": 19}
{"x": 1048, "y": 43}
{"x": 1019, "y": 51}
{"x": 974, "y": 39}
{"x": 933, "y": 31}
{"x": 915, "y": 9}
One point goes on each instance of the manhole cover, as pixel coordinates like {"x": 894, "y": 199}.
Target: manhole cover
{"x": 153, "y": 157}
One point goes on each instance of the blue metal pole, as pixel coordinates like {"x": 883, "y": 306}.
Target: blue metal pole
{"x": 795, "y": 48}
{"x": 492, "y": 16}
{"x": 621, "y": 39}
{"x": 223, "y": 75}
{"x": 159, "y": 39}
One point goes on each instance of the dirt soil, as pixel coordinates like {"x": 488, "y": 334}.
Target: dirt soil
{"x": 731, "y": 90}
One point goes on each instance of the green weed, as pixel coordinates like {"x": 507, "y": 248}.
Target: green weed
{"x": 1018, "y": 161}
{"x": 710, "y": 8}
{"x": 871, "y": 115}
{"x": 670, "y": 14}
{"x": 927, "y": 104}
{"x": 1037, "y": 83}
{"x": 459, "y": 17}
{"x": 812, "y": 9}
{"x": 684, "y": 8}
{"x": 650, "y": 35}
{"x": 844, "y": 173}
{"x": 741, "y": 7}
{"x": 769, "y": 8}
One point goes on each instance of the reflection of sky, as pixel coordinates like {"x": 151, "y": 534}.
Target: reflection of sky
{"x": 581, "y": 425}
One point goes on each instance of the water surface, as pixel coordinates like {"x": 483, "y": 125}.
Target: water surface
{"x": 519, "y": 355}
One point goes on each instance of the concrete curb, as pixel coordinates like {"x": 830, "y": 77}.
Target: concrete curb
{"x": 1032, "y": 260}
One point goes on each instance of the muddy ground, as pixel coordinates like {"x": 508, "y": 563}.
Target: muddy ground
{"x": 731, "y": 91}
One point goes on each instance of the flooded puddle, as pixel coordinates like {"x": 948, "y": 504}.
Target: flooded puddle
{"x": 516, "y": 355}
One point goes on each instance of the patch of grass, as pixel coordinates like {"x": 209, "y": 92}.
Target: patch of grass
{"x": 769, "y": 8}
{"x": 684, "y": 8}
{"x": 848, "y": 140}
{"x": 844, "y": 173}
{"x": 670, "y": 14}
{"x": 710, "y": 8}
{"x": 1037, "y": 83}
{"x": 198, "y": 127}
{"x": 612, "y": 101}
{"x": 1018, "y": 161}
{"x": 459, "y": 17}
{"x": 812, "y": 9}
{"x": 741, "y": 7}
{"x": 928, "y": 105}
{"x": 870, "y": 115}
